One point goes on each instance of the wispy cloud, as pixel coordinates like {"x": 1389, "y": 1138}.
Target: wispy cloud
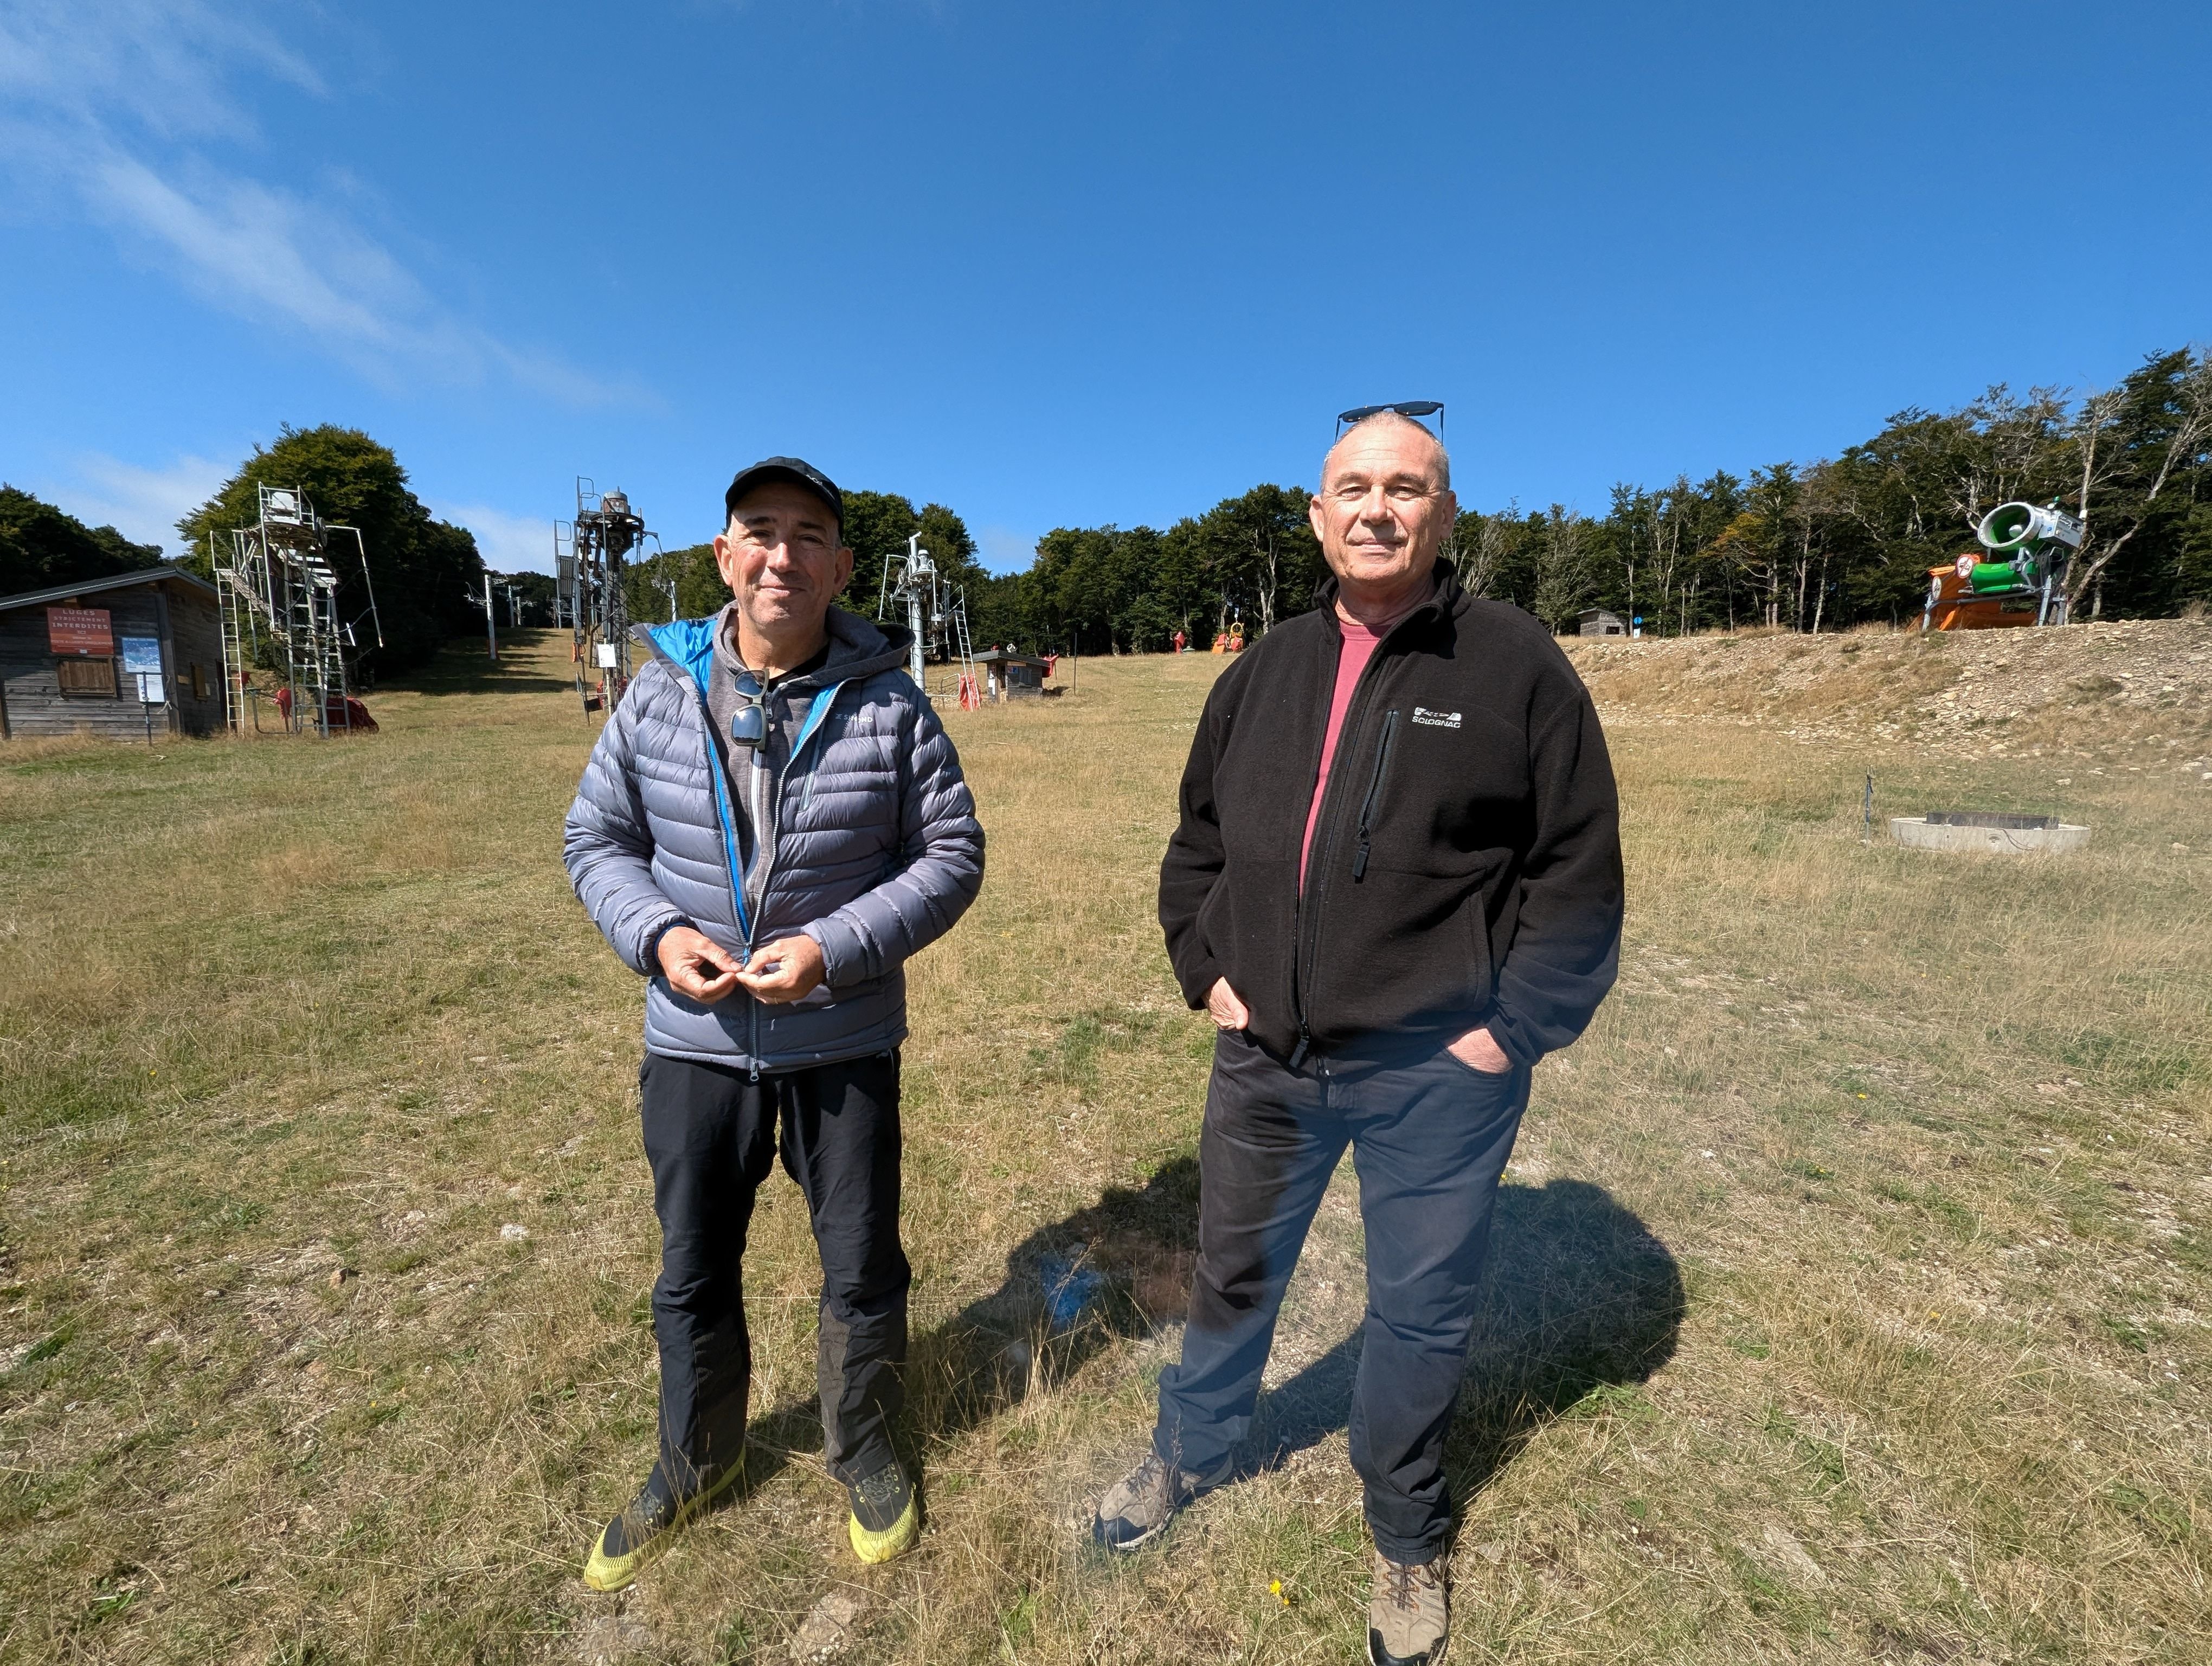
{"x": 508, "y": 542}
{"x": 142, "y": 504}
{"x": 123, "y": 111}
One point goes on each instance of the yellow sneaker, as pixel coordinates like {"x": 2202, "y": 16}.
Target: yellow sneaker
{"x": 646, "y": 1526}
{"x": 886, "y": 1518}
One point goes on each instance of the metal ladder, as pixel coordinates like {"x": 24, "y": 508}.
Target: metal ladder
{"x": 235, "y": 621}
{"x": 968, "y": 692}
{"x": 244, "y": 604}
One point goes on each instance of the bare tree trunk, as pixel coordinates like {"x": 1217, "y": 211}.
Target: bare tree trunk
{"x": 2189, "y": 435}
{"x": 1478, "y": 566}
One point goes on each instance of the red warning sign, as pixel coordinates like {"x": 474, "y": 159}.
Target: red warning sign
{"x": 80, "y": 631}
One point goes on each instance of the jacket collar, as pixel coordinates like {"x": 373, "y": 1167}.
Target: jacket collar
{"x": 1445, "y": 595}
{"x": 857, "y": 648}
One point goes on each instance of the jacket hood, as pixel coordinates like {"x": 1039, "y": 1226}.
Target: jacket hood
{"x": 858, "y": 647}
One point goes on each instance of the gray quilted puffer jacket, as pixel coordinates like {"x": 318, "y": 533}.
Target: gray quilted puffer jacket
{"x": 877, "y": 851}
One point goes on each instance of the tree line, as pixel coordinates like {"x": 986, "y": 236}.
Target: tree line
{"x": 1815, "y": 546}
{"x": 1092, "y": 589}
{"x": 42, "y": 546}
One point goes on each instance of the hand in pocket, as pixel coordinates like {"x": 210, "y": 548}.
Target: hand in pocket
{"x": 1226, "y": 1007}
{"x": 1478, "y": 1050}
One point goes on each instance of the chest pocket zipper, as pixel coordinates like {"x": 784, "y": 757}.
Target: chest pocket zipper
{"x": 1374, "y": 793}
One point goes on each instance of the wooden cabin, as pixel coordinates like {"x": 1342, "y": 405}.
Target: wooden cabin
{"x": 124, "y": 656}
{"x": 1010, "y": 676}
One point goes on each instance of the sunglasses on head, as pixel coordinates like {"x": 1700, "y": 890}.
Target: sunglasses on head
{"x": 1415, "y": 408}
{"x": 749, "y": 726}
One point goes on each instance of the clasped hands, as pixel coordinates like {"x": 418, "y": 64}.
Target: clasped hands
{"x": 696, "y": 966}
{"x": 1476, "y": 1050}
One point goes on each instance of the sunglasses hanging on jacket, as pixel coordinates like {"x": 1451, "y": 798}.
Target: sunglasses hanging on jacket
{"x": 748, "y": 725}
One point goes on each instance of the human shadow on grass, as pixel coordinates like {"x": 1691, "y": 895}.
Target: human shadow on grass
{"x": 1580, "y": 1298}
{"x": 1580, "y": 1301}
{"x": 1115, "y": 1269}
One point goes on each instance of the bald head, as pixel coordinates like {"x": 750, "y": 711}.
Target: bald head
{"x": 1391, "y": 430}
{"x": 1384, "y": 509}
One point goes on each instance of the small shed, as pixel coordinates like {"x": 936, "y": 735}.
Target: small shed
{"x": 1010, "y": 676}
{"x": 1598, "y": 621}
{"x": 124, "y": 655}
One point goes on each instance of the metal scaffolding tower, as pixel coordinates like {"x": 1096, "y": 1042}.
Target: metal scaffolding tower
{"x": 282, "y": 612}
{"x": 589, "y": 555}
{"x": 936, "y": 615}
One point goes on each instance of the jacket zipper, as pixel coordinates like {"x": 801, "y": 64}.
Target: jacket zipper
{"x": 806, "y": 738}
{"x": 1374, "y": 791}
{"x": 722, "y": 814}
{"x": 1306, "y": 952}
{"x": 824, "y": 700}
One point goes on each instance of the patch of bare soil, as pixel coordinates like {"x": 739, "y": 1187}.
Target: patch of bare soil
{"x": 2077, "y": 690}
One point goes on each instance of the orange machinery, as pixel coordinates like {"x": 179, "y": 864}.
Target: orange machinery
{"x": 1954, "y": 603}
{"x": 2018, "y": 578}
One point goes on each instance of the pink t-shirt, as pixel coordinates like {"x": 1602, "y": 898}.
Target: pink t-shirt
{"x": 1359, "y": 644}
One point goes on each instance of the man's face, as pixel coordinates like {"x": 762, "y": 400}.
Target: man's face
{"x": 1382, "y": 511}
{"x": 782, "y": 558}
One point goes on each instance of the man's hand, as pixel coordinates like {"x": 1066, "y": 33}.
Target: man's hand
{"x": 696, "y": 966}
{"x": 1478, "y": 1051}
{"x": 787, "y": 970}
{"x": 1227, "y": 1009}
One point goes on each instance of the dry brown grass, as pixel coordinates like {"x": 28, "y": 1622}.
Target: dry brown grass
{"x": 1848, "y": 1289}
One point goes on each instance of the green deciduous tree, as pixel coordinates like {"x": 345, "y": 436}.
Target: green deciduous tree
{"x": 41, "y": 546}
{"x": 427, "y": 575}
{"x": 699, "y": 587}
{"x": 1564, "y": 581}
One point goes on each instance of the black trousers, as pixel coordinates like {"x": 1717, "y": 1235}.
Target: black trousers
{"x": 1430, "y": 1139}
{"x": 711, "y": 1136}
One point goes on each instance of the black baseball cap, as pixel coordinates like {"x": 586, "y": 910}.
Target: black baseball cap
{"x": 799, "y": 471}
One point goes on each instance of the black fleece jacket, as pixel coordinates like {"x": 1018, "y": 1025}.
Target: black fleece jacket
{"x": 1466, "y": 867}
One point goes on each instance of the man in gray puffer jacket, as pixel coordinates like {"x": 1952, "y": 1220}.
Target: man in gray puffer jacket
{"x": 772, "y": 822}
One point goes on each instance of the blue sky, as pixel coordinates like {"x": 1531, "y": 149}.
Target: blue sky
{"x": 1068, "y": 263}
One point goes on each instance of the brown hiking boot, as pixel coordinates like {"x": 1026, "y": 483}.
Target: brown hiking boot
{"x": 1409, "y": 1616}
{"x": 1140, "y": 1505}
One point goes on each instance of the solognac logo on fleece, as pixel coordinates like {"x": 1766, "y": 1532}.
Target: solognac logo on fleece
{"x": 1423, "y": 715}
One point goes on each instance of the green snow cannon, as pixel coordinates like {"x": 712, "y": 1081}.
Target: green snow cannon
{"x": 2028, "y": 545}
{"x": 2015, "y": 530}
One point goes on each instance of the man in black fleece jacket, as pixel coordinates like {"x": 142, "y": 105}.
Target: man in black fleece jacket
{"x": 1396, "y": 885}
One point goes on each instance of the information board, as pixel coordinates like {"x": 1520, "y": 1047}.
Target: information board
{"x": 142, "y": 660}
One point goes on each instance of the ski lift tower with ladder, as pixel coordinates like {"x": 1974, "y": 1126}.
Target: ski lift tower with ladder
{"x": 281, "y": 603}
{"x": 589, "y": 555}
{"x": 936, "y": 615}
